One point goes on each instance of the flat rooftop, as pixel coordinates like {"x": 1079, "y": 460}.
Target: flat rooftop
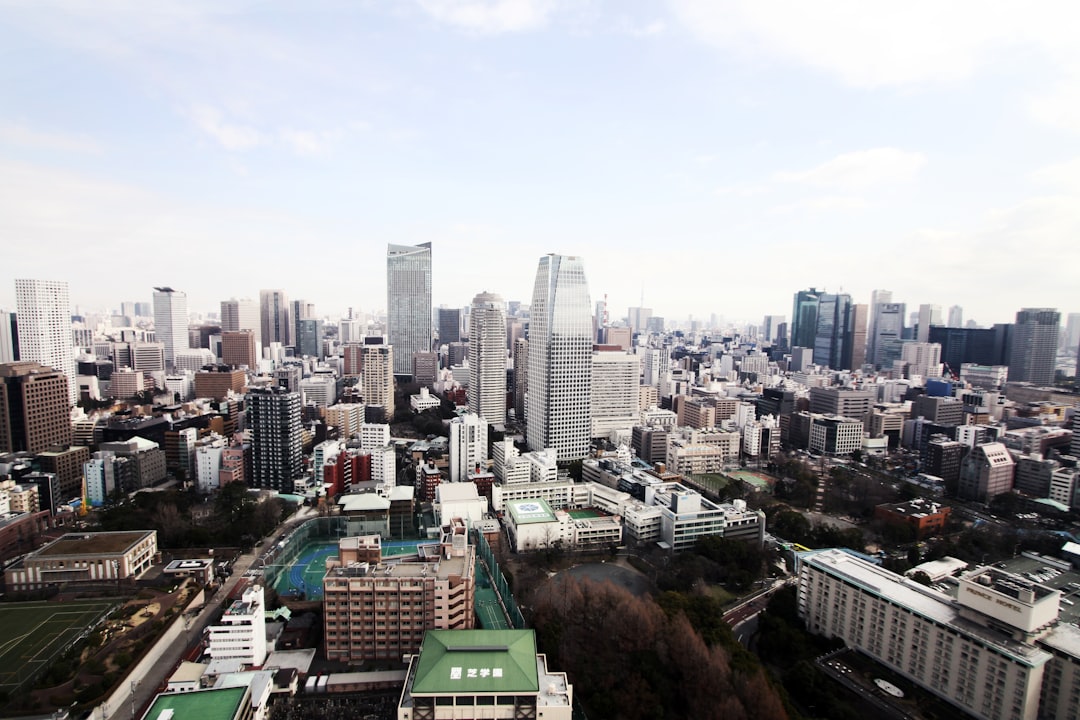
{"x": 223, "y": 704}
{"x": 102, "y": 543}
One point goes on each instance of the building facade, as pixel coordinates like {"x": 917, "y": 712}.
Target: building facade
{"x": 276, "y": 439}
{"x": 487, "y": 358}
{"x": 43, "y": 309}
{"x": 560, "y": 353}
{"x": 1034, "y": 346}
{"x": 171, "y": 322}
{"x": 35, "y": 407}
{"x": 408, "y": 302}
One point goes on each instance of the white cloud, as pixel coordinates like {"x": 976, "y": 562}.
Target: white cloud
{"x": 1064, "y": 176}
{"x": 859, "y": 170}
{"x": 872, "y": 44}
{"x": 309, "y": 142}
{"x": 490, "y": 17}
{"x": 23, "y": 136}
{"x": 824, "y": 203}
{"x": 229, "y": 135}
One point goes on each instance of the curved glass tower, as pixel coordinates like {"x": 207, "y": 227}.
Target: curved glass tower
{"x": 560, "y": 358}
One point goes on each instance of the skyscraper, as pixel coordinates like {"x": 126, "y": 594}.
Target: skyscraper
{"x": 237, "y": 315}
{"x": 888, "y": 332}
{"x": 9, "y": 337}
{"x": 560, "y": 358}
{"x": 449, "y": 325}
{"x": 276, "y": 438}
{"x": 408, "y": 302}
{"x": 300, "y": 310}
{"x": 928, "y": 315}
{"x": 804, "y": 318}
{"x": 377, "y": 379}
{"x": 34, "y": 407}
{"x": 468, "y": 445}
{"x": 171, "y": 322}
{"x": 44, "y": 316}
{"x": 832, "y": 335}
{"x": 956, "y": 316}
{"x": 487, "y": 358}
{"x": 274, "y": 318}
{"x": 1034, "y": 346}
{"x": 853, "y": 353}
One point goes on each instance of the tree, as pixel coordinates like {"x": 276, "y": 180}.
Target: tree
{"x": 575, "y": 469}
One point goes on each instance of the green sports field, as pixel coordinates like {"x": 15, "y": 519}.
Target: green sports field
{"x": 33, "y": 633}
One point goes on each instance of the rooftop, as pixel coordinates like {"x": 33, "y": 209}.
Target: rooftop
{"x": 214, "y": 704}
{"x": 525, "y": 512}
{"x": 476, "y": 661}
{"x": 101, "y": 543}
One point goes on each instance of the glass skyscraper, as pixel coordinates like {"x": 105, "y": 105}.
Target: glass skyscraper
{"x": 1034, "y": 346}
{"x": 560, "y": 359}
{"x": 171, "y": 322}
{"x": 408, "y": 302}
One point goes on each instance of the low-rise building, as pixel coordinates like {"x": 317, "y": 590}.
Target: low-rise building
{"x": 85, "y": 557}
{"x": 240, "y": 635}
{"x": 924, "y": 517}
{"x": 483, "y": 673}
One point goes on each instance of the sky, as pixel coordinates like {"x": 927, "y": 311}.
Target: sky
{"x": 702, "y": 156}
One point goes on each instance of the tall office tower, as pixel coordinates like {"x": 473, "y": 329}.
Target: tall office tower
{"x": 853, "y": 352}
{"x": 449, "y": 325}
{"x": 877, "y": 297}
{"x": 238, "y": 348}
{"x": 1034, "y": 346}
{"x": 770, "y": 327}
{"x": 804, "y": 318}
{"x": 274, "y": 318}
{"x": 9, "y": 337}
{"x": 888, "y": 333}
{"x": 638, "y": 318}
{"x": 171, "y": 322}
{"x": 521, "y": 377}
{"x": 352, "y": 357}
{"x": 616, "y": 383}
{"x": 928, "y": 315}
{"x": 408, "y": 302}
{"x": 487, "y": 358}
{"x": 956, "y": 317}
{"x": 309, "y": 338}
{"x": 276, "y": 438}
{"x": 600, "y": 319}
{"x": 237, "y": 315}
{"x": 560, "y": 358}
{"x": 300, "y": 310}
{"x": 1070, "y": 338}
{"x": 44, "y": 316}
{"x": 34, "y": 407}
{"x": 468, "y": 445}
{"x": 377, "y": 378}
{"x": 832, "y": 332}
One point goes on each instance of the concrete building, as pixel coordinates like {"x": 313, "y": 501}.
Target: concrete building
{"x": 275, "y": 319}
{"x": 560, "y": 354}
{"x": 377, "y": 379}
{"x": 149, "y": 465}
{"x": 468, "y": 446}
{"x": 487, "y": 358}
{"x": 239, "y": 349}
{"x": 449, "y": 325}
{"x": 105, "y": 473}
{"x": 616, "y": 377}
{"x": 1034, "y": 346}
{"x": 408, "y": 303}
{"x": 217, "y": 381}
{"x": 35, "y": 407}
{"x": 847, "y": 402}
{"x": 991, "y": 645}
{"x": 986, "y": 472}
{"x": 84, "y": 557}
{"x": 193, "y": 359}
{"x": 376, "y": 610}
{"x": 238, "y": 316}
{"x": 921, "y": 359}
{"x": 520, "y": 352}
{"x": 483, "y": 673}
{"x": 170, "y": 322}
{"x": 240, "y": 635}
{"x": 276, "y": 438}
{"x": 66, "y": 463}
{"x": 924, "y": 517}
{"x": 693, "y": 452}
{"x": 44, "y": 328}
{"x": 346, "y": 417}
{"x": 686, "y": 516}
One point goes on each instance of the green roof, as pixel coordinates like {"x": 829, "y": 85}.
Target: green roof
{"x": 530, "y": 511}
{"x": 476, "y": 661}
{"x": 223, "y": 704}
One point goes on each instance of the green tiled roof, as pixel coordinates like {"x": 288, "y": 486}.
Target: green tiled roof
{"x": 476, "y": 661}
{"x": 199, "y": 705}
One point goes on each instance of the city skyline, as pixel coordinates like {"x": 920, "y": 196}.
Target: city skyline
{"x": 702, "y": 157}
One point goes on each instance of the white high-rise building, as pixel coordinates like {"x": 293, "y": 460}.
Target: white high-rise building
{"x": 9, "y": 336}
{"x": 468, "y": 445}
{"x": 237, "y": 315}
{"x": 956, "y": 316}
{"x": 241, "y": 632}
{"x": 43, "y": 310}
{"x": 655, "y": 364}
{"x": 928, "y": 315}
{"x": 408, "y": 303}
{"x": 922, "y": 359}
{"x": 171, "y": 322}
{"x": 616, "y": 377}
{"x": 487, "y": 358}
{"x": 560, "y": 358}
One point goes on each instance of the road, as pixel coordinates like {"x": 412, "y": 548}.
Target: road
{"x": 743, "y": 617}
{"x": 148, "y": 686}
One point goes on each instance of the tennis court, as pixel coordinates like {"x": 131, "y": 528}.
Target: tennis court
{"x": 585, "y": 514}
{"x": 306, "y": 572}
{"x": 758, "y": 480}
{"x": 32, "y": 634}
